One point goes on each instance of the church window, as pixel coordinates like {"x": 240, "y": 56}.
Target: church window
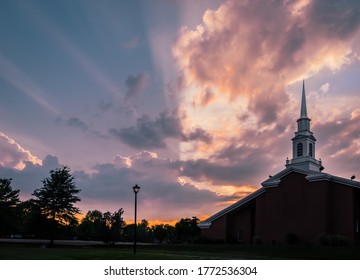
{"x": 311, "y": 149}
{"x": 299, "y": 149}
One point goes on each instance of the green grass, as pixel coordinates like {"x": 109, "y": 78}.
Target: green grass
{"x": 17, "y": 251}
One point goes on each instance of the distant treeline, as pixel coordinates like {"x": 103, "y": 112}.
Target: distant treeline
{"x": 52, "y": 214}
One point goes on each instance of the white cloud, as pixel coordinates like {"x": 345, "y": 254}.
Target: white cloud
{"x": 325, "y": 88}
{"x": 12, "y": 155}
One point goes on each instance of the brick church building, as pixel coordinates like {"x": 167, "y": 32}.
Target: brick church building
{"x": 300, "y": 202}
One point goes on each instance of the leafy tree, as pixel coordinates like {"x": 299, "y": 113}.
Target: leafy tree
{"x": 114, "y": 226}
{"x": 163, "y": 232}
{"x": 91, "y": 227}
{"x": 143, "y": 231}
{"x": 33, "y": 223}
{"x": 187, "y": 229}
{"x": 108, "y": 227}
{"x": 128, "y": 233}
{"x": 9, "y": 201}
{"x": 56, "y": 199}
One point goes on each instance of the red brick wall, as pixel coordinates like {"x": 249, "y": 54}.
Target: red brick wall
{"x": 294, "y": 207}
{"x": 341, "y": 211}
{"x": 240, "y": 225}
{"x": 217, "y": 230}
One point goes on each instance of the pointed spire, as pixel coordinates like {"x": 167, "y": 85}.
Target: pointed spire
{"x": 303, "y": 103}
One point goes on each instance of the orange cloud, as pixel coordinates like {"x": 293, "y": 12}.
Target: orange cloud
{"x": 255, "y": 48}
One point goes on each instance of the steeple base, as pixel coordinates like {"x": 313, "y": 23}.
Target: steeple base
{"x": 305, "y": 162}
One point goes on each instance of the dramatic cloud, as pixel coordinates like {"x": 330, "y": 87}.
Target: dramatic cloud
{"x": 242, "y": 161}
{"x": 339, "y": 142}
{"x": 236, "y": 67}
{"x": 219, "y": 106}
{"x": 255, "y": 48}
{"x": 150, "y": 133}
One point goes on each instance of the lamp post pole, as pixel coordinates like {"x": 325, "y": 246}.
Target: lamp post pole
{"x": 136, "y": 189}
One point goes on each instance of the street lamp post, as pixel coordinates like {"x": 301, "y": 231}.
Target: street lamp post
{"x": 136, "y": 189}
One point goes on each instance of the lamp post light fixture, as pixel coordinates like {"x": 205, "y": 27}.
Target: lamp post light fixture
{"x": 136, "y": 189}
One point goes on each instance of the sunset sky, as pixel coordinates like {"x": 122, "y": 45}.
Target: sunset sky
{"x": 194, "y": 101}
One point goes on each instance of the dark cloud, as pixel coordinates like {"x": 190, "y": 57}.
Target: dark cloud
{"x": 335, "y": 18}
{"x": 292, "y": 44}
{"x": 338, "y": 145}
{"x": 198, "y": 134}
{"x": 149, "y": 133}
{"x": 232, "y": 165}
{"x": 77, "y": 123}
{"x": 135, "y": 85}
{"x": 264, "y": 107}
{"x": 105, "y": 106}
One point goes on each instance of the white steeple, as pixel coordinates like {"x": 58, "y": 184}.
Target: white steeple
{"x": 304, "y": 142}
{"x": 303, "y": 113}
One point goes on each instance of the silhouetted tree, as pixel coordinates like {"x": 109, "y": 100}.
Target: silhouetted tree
{"x": 92, "y": 226}
{"x": 159, "y": 232}
{"x": 56, "y": 199}
{"x": 163, "y": 232}
{"x": 33, "y": 223}
{"x": 128, "y": 233}
{"x": 108, "y": 227}
{"x": 114, "y": 226}
{"x": 143, "y": 231}
{"x": 187, "y": 229}
{"x": 9, "y": 201}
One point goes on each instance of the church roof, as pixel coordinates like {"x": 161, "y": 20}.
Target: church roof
{"x": 311, "y": 176}
{"x": 300, "y": 136}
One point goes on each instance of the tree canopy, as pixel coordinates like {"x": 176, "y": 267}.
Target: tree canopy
{"x": 57, "y": 197}
{"x": 9, "y": 200}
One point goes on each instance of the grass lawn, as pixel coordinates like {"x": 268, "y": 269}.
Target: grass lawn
{"x": 18, "y": 251}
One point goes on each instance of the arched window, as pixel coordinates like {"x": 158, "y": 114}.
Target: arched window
{"x": 311, "y": 149}
{"x": 299, "y": 149}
